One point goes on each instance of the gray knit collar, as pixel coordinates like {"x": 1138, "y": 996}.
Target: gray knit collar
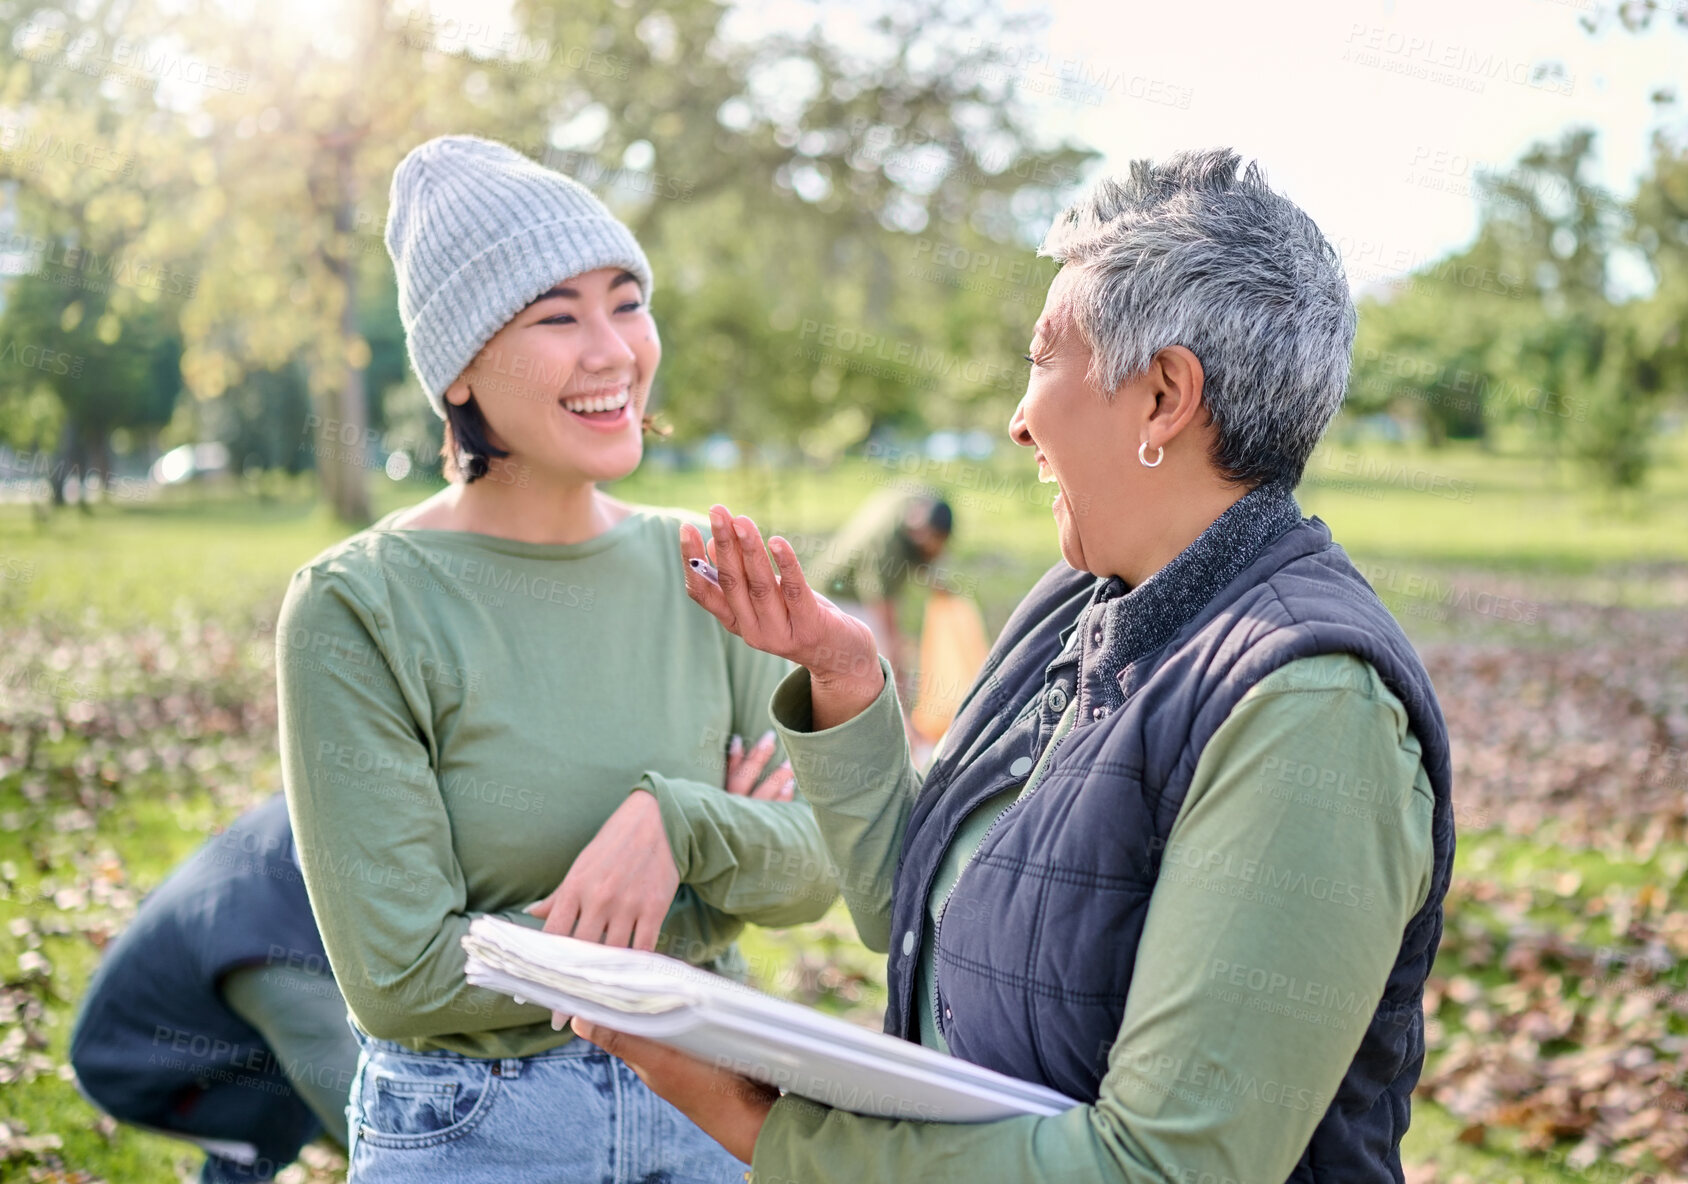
{"x": 1140, "y": 620}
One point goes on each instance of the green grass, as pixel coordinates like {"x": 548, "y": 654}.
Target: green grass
{"x": 227, "y": 557}
{"x": 1433, "y": 1138}
{"x": 133, "y": 563}
{"x": 1464, "y": 505}
{"x": 153, "y": 834}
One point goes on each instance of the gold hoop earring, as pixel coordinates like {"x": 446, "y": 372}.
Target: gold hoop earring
{"x": 1160, "y": 455}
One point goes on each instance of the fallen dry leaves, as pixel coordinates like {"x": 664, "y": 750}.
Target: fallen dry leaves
{"x": 1557, "y": 1013}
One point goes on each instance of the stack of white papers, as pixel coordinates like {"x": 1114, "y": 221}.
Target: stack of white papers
{"x": 716, "y": 1020}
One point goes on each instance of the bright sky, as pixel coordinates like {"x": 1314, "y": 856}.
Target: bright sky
{"x": 1375, "y": 115}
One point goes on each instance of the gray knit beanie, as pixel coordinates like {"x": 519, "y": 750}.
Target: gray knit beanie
{"x": 477, "y": 231}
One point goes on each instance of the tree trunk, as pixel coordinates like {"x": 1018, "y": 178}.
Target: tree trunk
{"x": 68, "y": 458}
{"x": 351, "y": 502}
{"x": 99, "y": 461}
{"x": 350, "y": 448}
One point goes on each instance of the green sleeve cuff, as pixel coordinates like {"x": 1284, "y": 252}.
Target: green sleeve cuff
{"x": 758, "y": 861}
{"x": 675, "y": 824}
{"x": 839, "y": 762}
{"x": 790, "y": 1124}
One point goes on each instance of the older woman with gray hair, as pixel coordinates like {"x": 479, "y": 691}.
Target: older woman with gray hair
{"x": 1183, "y": 853}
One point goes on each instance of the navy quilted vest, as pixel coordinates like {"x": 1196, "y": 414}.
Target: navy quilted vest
{"x": 1024, "y": 985}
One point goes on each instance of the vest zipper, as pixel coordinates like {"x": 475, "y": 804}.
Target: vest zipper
{"x": 938, "y": 925}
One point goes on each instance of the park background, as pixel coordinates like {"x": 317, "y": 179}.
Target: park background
{"x": 203, "y": 383}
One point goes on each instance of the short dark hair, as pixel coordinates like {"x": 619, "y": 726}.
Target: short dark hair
{"x": 935, "y": 514}
{"x": 467, "y": 452}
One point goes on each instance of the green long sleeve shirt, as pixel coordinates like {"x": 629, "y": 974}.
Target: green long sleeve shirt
{"x": 1314, "y": 770}
{"x": 461, "y": 713}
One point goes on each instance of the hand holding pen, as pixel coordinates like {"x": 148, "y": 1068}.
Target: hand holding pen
{"x": 772, "y": 607}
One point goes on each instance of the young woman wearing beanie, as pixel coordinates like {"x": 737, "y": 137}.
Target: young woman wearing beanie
{"x": 501, "y": 701}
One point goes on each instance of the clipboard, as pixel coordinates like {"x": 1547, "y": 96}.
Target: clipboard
{"x": 779, "y": 1043}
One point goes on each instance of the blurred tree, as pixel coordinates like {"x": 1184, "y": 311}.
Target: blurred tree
{"x": 805, "y": 197}
{"x": 1529, "y": 323}
{"x": 100, "y": 296}
{"x": 104, "y": 370}
{"x": 1425, "y": 350}
{"x": 800, "y": 200}
{"x": 1587, "y": 342}
{"x": 285, "y": 174}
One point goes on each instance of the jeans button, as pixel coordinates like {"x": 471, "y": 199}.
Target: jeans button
{"x": 1057, "y": 698}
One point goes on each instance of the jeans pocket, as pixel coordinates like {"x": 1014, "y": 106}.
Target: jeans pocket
{"x": 422, "y": 1102}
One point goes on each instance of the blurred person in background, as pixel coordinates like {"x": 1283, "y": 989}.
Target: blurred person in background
{"x": 891, "y": 538}
{"x": 501, "y": 702}
{"x": 214, "y": 1017}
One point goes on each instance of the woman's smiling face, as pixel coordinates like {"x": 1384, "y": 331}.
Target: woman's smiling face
{"x": 563, "y": 386}
{"x": 1073, "y": 427}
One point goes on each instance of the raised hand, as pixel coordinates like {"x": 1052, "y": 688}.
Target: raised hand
{"x": 772, "y": 607}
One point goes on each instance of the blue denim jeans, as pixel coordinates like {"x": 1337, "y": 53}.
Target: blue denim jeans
{"x": 574, "y": 1114}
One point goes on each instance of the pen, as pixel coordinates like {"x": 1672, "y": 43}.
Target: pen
{"x": 705, "y": 569}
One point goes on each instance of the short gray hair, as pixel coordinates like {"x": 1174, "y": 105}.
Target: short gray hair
{"x": 1189, "y": 252}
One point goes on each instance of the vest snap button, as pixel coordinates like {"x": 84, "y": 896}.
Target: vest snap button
{"x": 908, "y": 943}
{"x": 1098, "y": 712}
{"x": 947, "y": 1014}
{"x": 1021, "y": 767}
{"x": 1096, "y": 637}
